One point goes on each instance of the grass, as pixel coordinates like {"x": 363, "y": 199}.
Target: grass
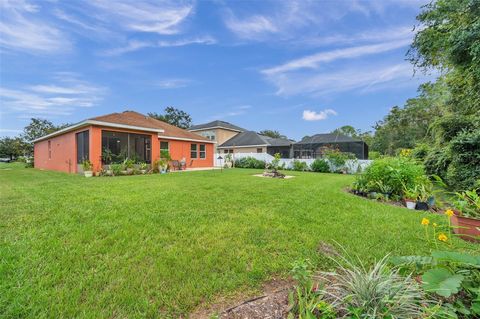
{"x": 159, "y": 245}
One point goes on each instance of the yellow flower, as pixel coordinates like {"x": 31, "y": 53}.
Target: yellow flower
{"x": 442, "y": 237}
{"x": 435, "y": 225}
{"x": 425, "y": 221}
{"x": 449, "y": 212}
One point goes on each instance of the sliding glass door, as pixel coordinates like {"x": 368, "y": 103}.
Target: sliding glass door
{"x": 118, "y": 146}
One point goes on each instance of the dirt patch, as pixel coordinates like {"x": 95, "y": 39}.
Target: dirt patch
{"x": 271, "y": 302}
{"x": 286, "y": 176}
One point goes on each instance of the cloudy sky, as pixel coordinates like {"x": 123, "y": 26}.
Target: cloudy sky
{"x": 300, "y": 67}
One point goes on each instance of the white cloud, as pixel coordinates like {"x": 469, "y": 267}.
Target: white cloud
{"x": 172, "y": 83}
{"x": 135, "y": 45}
{"x": 253, "y": 27}
{"x": 313, "y": 61}
{"x": 309, "y": 115}
{"x": 361, "y": 78}
{"x": 161, "y": 17}
{"x": 20, "y": 29}
{"x": 51, "y": 99}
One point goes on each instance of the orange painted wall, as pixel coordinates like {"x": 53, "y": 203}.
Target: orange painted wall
{"x": 64, "y": 150}
{"x": 63, "y": 153}
{"x": 180, "y": 149}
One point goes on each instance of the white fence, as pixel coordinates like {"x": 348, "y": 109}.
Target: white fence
{"x": 352, "y": 166}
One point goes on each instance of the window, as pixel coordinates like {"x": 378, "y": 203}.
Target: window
{"x": 208, "y": 134}
{"x": 228, "y": 151}
{"x": 49, "y": 149}
{"x": 259, "y": 150}
{"x": 164, "y": 146}
{"x": 193, "y": 150}
{"x": 117, "y": 146}
{"x": 203, "y": 151}
{"x": 82, "y": 147}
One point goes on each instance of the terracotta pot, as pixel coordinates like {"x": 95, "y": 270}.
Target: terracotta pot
{"x": 467, "y": 228}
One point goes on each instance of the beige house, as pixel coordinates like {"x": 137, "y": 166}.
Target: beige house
{"x": 218, "y": 131}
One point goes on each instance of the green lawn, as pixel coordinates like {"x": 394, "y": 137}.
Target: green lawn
{"x": 159, "y": 245}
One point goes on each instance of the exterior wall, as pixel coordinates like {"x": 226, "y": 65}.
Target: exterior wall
{"x": 63, "y": 152}
{"x": 243, "y": 149}
{"x": 221, "y": 135}
{"x": 181, "y": 149}
{"x": 224, "y": 135}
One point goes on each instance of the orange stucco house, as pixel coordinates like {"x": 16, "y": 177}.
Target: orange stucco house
{"x": 127, "y": 134}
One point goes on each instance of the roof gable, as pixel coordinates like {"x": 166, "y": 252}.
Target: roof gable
{"x": 217, "y": 124}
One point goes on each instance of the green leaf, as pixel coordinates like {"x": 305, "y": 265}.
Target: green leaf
{"x": 442, "y": 282}
{"x": 456, "y": 257}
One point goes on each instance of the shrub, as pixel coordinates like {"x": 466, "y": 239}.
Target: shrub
{"x": 437, "y": 161}
{"x": 338, "y": 158}
{"x": 421, "y": 151}
{"x": 464, "y": 170}
{"x": 394, "y": 173}
{"x": 320, "y": 165}
{"x": 116, "y": 169}
{"x": 249, "y": 162}
{"x": 376, "y": 292}
{"x": 373, "y": 155}
{"x": 299, "y": 165}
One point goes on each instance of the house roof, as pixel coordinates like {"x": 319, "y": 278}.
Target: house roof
{"x": 251, "y": 138}
{"x": 138, "y": 119}
{"x": 135, "y": 121}
{"x": 217, "y": 124}
{"x": 328, "y": 138}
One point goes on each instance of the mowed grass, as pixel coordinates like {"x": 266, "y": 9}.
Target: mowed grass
{"x": 160, "y": 245}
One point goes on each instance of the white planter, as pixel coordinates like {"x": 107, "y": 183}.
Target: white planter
{"x": 410, "y": 205}
{"x": 88, "y": 173}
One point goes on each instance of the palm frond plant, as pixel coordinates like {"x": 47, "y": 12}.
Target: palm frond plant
{"x": 358, "y": 291}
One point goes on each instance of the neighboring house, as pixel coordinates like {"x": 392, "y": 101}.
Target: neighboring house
{"x": 315, "y": 146}
{"x": 218, "y": 131}
{"x": 127, "y": 134}
{"x": 252, "y": 142}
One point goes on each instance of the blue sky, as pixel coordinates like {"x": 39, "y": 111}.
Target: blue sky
{"x": 300, "y": 67}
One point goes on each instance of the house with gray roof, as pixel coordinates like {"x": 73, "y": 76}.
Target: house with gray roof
{"x": 218, "y": 131}
{"x": 252, "y": 142}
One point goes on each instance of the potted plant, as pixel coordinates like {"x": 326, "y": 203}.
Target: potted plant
{"x": 424, "y": 194}
{"x": 129, "y": 166}
{"x": 385, "y": 189}
{"x": 143, "y": 168}
{"x": 87, "y": 168}
{"x": 467, "y": 222}
{"x": 228, "y": 160}
{"x": 410, "y": 197}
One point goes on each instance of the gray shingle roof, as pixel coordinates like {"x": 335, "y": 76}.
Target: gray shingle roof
{"x": 215, "y": 124}
{"x": 328, "y": 138}
{"x": 251, "y": 138}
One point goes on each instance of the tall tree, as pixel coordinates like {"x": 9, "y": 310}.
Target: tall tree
{"x": 174, "y": 116}
{"x": 11, "y": 147}
{"x": 36, "y": 129}
{"x": 347, "y": 130}
{"x": 272, "y": 134}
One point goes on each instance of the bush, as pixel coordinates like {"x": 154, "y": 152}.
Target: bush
{"x": 436, "y": 162}
{"x": 376, "y": 292}
{"x": 338, "y": 158}
{"x": 373, "y": 155}
{"x": 299, "y": 166}
{"x": 392, "y": 173}
{"x": 320, "y": 165}
{"x": 249, "y": 162}
{"x": 421, "y": 151}
{"x": 464, "y": 170}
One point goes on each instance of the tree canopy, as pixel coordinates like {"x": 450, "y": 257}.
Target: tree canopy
{"x": 174, "y": 116}
{"x": 272, "y": 134}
